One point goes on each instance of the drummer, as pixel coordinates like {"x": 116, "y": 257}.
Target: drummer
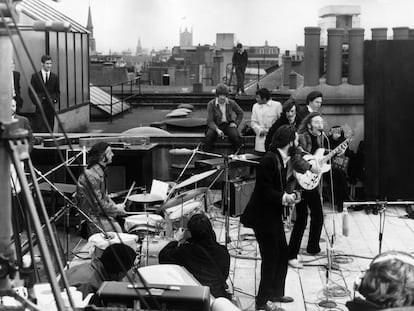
{"x": 92, "y": 195}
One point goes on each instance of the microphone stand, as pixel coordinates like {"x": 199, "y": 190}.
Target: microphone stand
{"x": 327, "y": 303}
{"x": 381, "y": 224}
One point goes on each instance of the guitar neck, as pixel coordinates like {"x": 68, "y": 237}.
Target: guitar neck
{"x": 334, "y": 151}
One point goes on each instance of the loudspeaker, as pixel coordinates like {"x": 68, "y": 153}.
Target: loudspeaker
{"x": 240, "y": 193}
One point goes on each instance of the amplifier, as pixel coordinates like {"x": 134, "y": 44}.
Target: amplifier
{"x": 240, "y": 193}
{"x": 159, "y": 297}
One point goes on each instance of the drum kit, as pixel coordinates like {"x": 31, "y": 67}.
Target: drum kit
{"x": 149, "y": 230}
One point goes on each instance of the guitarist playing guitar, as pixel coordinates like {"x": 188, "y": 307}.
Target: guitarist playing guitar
{"x": 310, "y": 140}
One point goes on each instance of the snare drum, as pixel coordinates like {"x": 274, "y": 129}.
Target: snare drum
{"x": 100, "y": 243}
{"x": 142, "y": 224}
{"x": 151, "y": 247}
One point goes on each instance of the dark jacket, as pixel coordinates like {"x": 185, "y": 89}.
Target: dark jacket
{"x": 281, "y": 121}
{"x": 17, "y": 97}
{"x": 302, "y": 112}
{"x": 25, "y": 124}
{"x": 211, "y": 271}
{"x": 264, "y": 209}
{"x": 87, "y": 277}
{"x": 52, "y": 86}
{"x": 305, "y": 141}
{"x": 240, "y": 59}
{"x": 233, "y": 113}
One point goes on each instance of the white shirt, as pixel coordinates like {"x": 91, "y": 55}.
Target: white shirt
{"x": 263, "y": 116}
{"x": 223, "y": 110}
{"x": 45, "y": 74}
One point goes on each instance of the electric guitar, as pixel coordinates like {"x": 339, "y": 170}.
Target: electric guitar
{"x": 309, "y": 180}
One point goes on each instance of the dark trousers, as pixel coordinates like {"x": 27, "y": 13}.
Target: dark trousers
{"x": 311, "y": 199}
{"x": 274, "y": 252}
{"x": 50, "y": 117}
{"x": 231, "y": 132}
{"x": 240, "y": 78}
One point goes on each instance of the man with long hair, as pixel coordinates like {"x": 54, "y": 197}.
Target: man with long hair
{"x": 310, "y": 139}
{"x": 387, "y": 284}
{"x": 289, "y": 116}
{"x": 91, "y": 192}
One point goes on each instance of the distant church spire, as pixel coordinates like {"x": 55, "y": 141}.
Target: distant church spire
{"x": 139, "y": 48}
{"x": 89, "y": 26}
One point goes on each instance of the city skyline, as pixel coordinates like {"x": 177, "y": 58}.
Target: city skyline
{"x": 119, "y": 24}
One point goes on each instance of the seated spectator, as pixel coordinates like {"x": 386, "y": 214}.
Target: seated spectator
{"x": 198, "y": 251}
{"x": 223, "y": 118}
{"x": 88, "y": 277}
{"x": 387, "y": 284}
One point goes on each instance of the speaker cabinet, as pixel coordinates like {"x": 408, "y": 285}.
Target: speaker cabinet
{"x": 240, "y": 193}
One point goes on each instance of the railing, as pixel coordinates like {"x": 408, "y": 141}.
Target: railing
{"x": 111, "y": 88}
{"x": 232, "y": 71}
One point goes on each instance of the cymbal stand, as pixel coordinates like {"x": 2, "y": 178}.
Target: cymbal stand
{"x": 17, "y": 146}
{"x": 195, "y": 151}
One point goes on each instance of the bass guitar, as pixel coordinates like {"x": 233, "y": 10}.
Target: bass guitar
{"x": 309, "y": 180}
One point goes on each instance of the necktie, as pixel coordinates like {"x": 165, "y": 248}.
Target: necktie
{"x": 47, "y": 77}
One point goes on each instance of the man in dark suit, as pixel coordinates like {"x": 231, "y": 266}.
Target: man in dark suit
{"x": 16, "y": 88}
{"x": 40, "y": 80}
{"x": 239, "y": 61}
{"x": 313, "y": 104}
{"x": 264, "y": 212}
{"x": 223, "y": 118}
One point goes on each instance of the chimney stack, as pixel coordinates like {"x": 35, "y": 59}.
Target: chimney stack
{"x": 293, "y": 81}
{"x": 379, "y": 33}
{"x": 400, "y": 33}
{"x": 311, "y": 55}
{"x": 411, "y": 34}
{"x": 355, "y": 56}
{"x": 334, "y": 58}
{"x": 287, "y": 68}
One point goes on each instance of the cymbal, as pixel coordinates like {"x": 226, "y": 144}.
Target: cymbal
{"x": 183, "y": 197}
{"x": 195, "y": 178}
{"x": 145, "y": 198}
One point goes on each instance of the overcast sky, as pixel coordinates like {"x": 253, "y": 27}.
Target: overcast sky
{"x": 118, "y": 24}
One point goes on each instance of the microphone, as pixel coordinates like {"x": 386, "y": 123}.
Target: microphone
{"x": 345, "y": 224}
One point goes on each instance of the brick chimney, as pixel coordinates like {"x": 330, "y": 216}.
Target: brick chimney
{"x": 355, "y": 56}
{"x": 379, "y": 33}
{"x": 400, "y": 33}
{"x": 334, "y": 58}
{"x": 311, "y": 55}
{"x": 287, "y": 68}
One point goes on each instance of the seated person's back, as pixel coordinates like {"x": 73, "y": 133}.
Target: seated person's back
{"x": 201, "y": 255}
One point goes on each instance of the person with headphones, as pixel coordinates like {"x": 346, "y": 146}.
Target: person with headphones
{"x": 197, "y": 250}
{"x": 92, "y": 194}
{"x": 388, "y": 284}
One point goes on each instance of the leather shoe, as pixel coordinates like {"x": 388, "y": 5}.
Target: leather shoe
{"x": 283, "y": 299}
{"x": 294, "y": 263}
{"x": 269, "y": 307}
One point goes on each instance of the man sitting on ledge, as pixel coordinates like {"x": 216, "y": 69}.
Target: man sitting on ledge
{"x": 223, "y": 118}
